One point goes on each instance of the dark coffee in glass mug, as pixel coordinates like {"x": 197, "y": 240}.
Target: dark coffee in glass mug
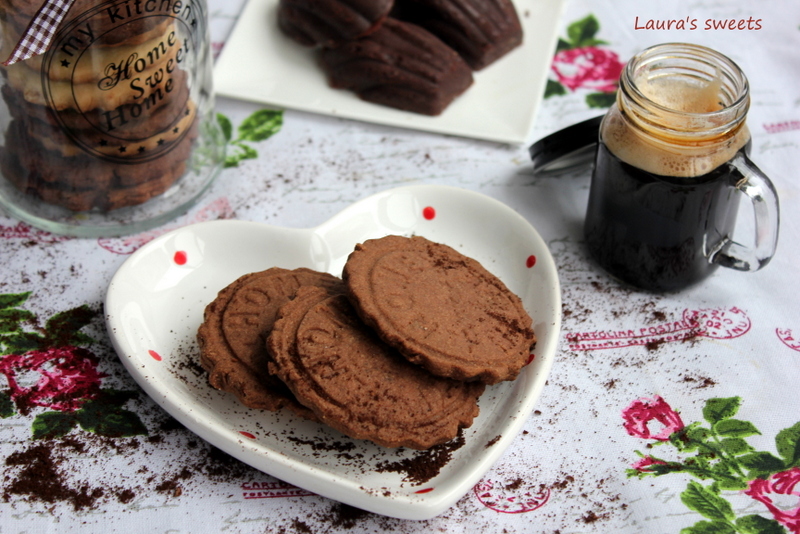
{"x": 671, "y": 166}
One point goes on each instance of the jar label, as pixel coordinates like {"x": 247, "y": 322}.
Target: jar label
{"x": 118, "y": 77}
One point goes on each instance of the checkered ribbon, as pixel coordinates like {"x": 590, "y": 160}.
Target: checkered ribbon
{"x": 40, "y": 31}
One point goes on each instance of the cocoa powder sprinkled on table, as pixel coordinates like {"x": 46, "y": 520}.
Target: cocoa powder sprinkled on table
{"x": 346, "y": 516}
{"x": 424, "y": 465}
{"x": 700, "y": 381}
{"x": 514, "y": 485}
{"x": 41, "y": 479}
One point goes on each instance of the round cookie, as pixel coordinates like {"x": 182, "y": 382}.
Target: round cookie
{"x": 85, "y": 172}
{"x": 55, "y": 139}
{"x": 161, "y": 115}
{"x": 82, "y": 183}
{"x": 95, "y": 58}
{"x": 439, "y": 308}
{"x": 357, "y": 384}
{"x": 233, "y": 335}
{"x": 28, "y": 180}
{"x": 63, "y": 94}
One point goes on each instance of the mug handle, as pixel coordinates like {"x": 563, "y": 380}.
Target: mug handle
{"x": 752, "y": 182}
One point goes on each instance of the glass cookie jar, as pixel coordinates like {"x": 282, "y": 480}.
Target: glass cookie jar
{"x": 111, "y": 130}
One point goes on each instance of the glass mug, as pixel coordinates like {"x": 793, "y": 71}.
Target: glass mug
{"x": 671, "y": 163}
{"x": 112, "y": 129}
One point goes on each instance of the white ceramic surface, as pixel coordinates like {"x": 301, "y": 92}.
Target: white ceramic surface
{"x": 155, "y": 304}
{"x": 260, "y": 64}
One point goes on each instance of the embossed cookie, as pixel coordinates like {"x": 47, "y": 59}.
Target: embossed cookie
{"x": 181, "y": 117}
{"x": 439, "y": 308}
{"x": 82, "y": 183}
{"x": 357, "y": 384}
{"x": 161, "y": 114}
{"x": 87, "y": 69}
{"x": 233, "y": 335}
{"x": 63, "y": 94}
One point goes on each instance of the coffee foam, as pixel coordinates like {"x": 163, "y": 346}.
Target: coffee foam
{"x": 684, "y": 96}
{"x": 667, "y": 159}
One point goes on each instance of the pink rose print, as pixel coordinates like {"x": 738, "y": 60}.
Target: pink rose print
{"x": 716, "y": 449}
{"x": 783, "y": 483}
{"x": 643, "y": 465}
{"x": 588, "y": 67}
{"x": 642, "y": 412}
{"x": 61, "y": 379}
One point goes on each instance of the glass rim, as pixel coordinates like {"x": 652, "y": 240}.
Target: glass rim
{"x": 689, "y": 52}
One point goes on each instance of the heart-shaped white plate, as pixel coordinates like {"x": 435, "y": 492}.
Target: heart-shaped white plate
{"x": 155, "y": 304}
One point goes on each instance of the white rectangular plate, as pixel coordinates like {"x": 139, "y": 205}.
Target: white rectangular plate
{"x": 260, "y": 64}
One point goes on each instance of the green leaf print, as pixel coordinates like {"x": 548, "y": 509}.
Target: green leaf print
{"x": 63, "y": 327}
{"x": 736, "y": 446}
{"x": 761, "y": 464}
{"x": 12, "y": 300}
{"x": 709, "y": 527}
{"x": 734, "y": 428}
{"x": 21, "y": 342}
{"x": 716, "y": 410}
{"x": 707, "y": 503}
{"x": 11, "y": 319}
{"x": 49, "y": 425}
{"x": 554, "y": 88}
{"x": 581, "y": 33}
{"x": 6, "y": 405}
{"x": 601, "y": 100}
{"x": 226, "y": 126}
{"x": 787, "y": 442}
{"x": 109, "y": 420}
{"x": 755, "y": 524}
{"x": 259, "y": 126}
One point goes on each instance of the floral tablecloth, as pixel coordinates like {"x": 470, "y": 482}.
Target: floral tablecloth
{"x": 663, "y": 413}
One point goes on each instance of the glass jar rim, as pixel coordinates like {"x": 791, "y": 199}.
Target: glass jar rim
{"x": 692, "y": 52}
{"x": 684, "y": 61}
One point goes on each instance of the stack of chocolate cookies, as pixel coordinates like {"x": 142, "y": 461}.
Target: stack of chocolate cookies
{"x": 414, "y": 55}
{"x": 398, "y": 351}
{"x": 102, "y": 121}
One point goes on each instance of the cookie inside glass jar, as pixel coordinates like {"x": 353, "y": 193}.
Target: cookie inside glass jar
{"x": 111, "y": 129}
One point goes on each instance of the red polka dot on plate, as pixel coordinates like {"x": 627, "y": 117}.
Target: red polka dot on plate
{"x": 426, "y": 490}
{"x": 180, "y": 257}
{"x": 429, "y": 213}
{"x": 531, "y": 261}
{"x": 248, "y": 435}
{"x": 531, "y": 358}
{"x": 156, "y": 356}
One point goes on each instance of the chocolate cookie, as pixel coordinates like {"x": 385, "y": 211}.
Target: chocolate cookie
{"x": 30, "y": 180}
{"x": 63, "y": 94}
{"x": 233, "y": 335}
{"x": 439, "y": 308}
{"x": 400, "y": 65}
{"x": 83, "y": 183}
{"x": 330, "y": 22}
{"x": 357, "y": 384}
{"x": 87, "y": 70}
{"x": 481, "y": 31}
{"x": 163, "y": 113}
